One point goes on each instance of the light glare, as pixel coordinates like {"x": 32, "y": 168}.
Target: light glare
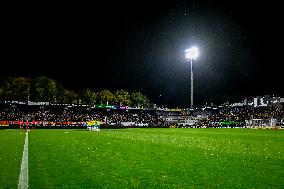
{"x": 191, "y": 53}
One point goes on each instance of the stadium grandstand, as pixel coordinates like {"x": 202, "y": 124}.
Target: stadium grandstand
{"x": 261, "y": 112}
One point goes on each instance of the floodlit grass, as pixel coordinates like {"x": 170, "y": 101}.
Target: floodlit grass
{"x": 11, "y": 152}
{"x": 156, "y": 158}
{"x": 145, "y": 158}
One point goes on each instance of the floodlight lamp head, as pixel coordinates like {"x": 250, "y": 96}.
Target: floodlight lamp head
{"x": 192, "y": 53}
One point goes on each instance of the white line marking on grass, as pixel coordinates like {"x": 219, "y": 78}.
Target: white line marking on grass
{"x": 24, "y": 175}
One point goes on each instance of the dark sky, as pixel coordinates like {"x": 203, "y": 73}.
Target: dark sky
{"x": 140, "y": 46}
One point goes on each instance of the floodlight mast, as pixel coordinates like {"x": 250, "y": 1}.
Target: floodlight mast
{"x": 191, "y": 54}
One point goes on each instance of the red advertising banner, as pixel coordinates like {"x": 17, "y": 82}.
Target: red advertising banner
{"x": 42, "y": 123}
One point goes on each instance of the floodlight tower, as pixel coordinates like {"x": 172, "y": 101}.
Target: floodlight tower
{"x": 191, "y": 54}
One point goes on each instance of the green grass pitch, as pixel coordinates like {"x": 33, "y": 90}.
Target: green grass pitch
{"x": 11, "y": 152}
{"x": 146, "y": 158}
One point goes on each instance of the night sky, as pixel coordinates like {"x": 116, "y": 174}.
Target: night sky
{"x": 140, "y": 46}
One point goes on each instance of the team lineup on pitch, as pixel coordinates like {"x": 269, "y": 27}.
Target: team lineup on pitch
{"x": 147, "y": 158}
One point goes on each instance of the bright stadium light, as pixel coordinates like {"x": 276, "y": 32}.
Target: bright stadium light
{"x": 191, "y": 54}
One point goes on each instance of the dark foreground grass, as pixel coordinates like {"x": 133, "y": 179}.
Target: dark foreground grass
{"x": 156, "y": 158}
{"x": 11, "y": 152}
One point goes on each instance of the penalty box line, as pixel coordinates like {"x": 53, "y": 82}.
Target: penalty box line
{"x": 24, "y": 175}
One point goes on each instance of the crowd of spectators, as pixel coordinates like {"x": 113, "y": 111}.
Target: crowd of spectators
{"x": 238, "y": 115}
{"x": 210, "y": 117}
{"x": 77, "y": 114}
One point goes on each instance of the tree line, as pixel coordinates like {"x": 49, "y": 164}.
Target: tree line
{"x": 44, "y": 89}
